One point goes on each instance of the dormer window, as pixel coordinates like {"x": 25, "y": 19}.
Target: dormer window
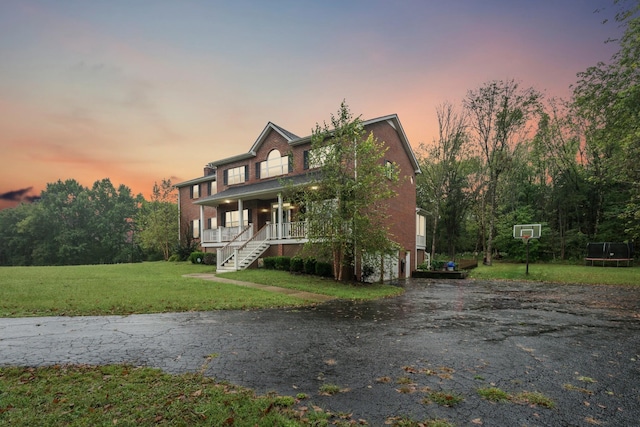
{"x": 275, "y": 165}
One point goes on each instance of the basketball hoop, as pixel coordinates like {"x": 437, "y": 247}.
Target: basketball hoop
{"x": 527, "y": 232}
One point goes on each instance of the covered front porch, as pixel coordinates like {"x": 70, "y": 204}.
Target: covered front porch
{"x": 245, "y": 210}
{"x": 215, "y": 237}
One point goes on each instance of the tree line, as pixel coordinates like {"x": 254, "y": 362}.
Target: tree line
{"x": 72, "y": 224}
{"x": 509, "y": 156}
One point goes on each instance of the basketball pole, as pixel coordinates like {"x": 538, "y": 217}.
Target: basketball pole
{"x": 527, "y": 257}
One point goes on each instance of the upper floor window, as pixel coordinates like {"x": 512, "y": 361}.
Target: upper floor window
{"x": 275, "y": 165}
{"x": 195, "y": 191}
{"x": 421, "y": 225}
{"x": 390, "y": 169}
{"x": 316, "y": 157}
{"x": 211, "y": 188}
{"x": 236, "y": 175}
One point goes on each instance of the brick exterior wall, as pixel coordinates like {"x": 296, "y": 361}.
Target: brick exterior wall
{"x": 190, "y": 211}
{"x": 273, "y": 140}
{"x": 402, "y": 209}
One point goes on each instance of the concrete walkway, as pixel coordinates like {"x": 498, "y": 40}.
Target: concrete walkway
{"x": 307, "y": 296}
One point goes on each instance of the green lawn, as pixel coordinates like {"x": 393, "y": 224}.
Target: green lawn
{"x": 319, "y": 285}
{"x": 126, "y": 396}
{"x": 560, "y": 273}
{"x": 153, "y": 287}
{"x": 123, "y": 289}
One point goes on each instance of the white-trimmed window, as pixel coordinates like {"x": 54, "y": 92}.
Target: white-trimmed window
{"x": 275, "y": 165}
{"x": 421, "y": 225}
{"x": 212, "y": 223}
{"x": 195, "y": 228}
{"x": 389, "y": 168}
{"x": 232, "y": 219}
{"x": 235, "y": 175}
{"x": 195, "y": 191}
{"x": 317, "y": 157}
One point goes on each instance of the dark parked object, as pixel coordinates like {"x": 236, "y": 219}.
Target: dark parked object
{"x": 609, "y": 252}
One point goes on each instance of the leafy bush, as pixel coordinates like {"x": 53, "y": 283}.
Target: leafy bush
{"x": 270, "y": 262}
{"x": 210, "y": 258}
{"x": 437, "y": 264}
{"x": 174, "y": 258}
{"x": 310, "y": 265}
{"x": 196, "y": 257}
{"x": 283, "y": 263}
{"x": 297, "y": 265}
{"x": 324, "y": 269}
{"x": 185, "y": 249}
{"x": 423, "y": 266}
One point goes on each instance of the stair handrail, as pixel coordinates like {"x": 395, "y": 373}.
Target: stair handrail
{"x": 226, "y": 252}
{"x": 261, "y": 236}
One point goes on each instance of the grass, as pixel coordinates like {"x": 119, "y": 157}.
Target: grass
{"x": 494, "y": 394}
{"x": 559, "y": 273}
{"x": 444, "y": 398}
{"x": 329, "y": 389}
{"x": 153, "y": 287}
{"x": 126, "y": 395}
{"x": 535, "y": 398}
{"x": 314, "y": 284}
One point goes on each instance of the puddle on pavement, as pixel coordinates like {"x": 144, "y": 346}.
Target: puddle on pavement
{"x": 429, "y": 300}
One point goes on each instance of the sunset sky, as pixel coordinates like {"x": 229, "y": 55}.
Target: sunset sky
{"x": 141, "y": 90}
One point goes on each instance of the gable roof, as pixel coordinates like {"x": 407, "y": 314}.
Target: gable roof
{"x": 289, "y": 136}
{"x": 294, "y": 140}
{"x": 394, "y": 122}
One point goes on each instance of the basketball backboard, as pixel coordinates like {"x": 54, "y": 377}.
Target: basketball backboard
{"x": 527, "y": 231}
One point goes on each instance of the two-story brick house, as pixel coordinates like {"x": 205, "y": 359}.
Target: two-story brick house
{"x": 238, "y": 210}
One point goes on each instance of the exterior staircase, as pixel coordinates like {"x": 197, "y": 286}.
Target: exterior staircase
{"x": 239, "y": 257}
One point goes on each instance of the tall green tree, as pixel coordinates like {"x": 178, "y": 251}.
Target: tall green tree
{"x": 345, "y": 205}
{"x": 113, "y": 222}
{"x": 70, "y": 224}
{"x": 16, "y": 242}
{"x": 158, "y": 219}
{"x": 442, "y": 186}
{"x": 498, "y": 114}
{"x": 607, "y": 98}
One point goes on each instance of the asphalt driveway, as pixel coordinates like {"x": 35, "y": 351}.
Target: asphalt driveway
{"x": 578, "y": 345}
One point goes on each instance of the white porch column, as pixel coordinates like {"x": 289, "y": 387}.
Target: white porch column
{"x": 279, "y": 222}
{"x": 201, "y": 225}
{"x": 407, "y": 265}
{"x": 240, "y": 215}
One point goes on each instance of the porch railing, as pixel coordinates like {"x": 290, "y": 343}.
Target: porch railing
{"x": 290, "y": 230}
{"x": 220, "y": 234}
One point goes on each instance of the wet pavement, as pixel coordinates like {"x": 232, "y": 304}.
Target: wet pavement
{"x": 578, "y": 345}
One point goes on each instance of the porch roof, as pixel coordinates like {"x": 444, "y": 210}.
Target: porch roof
{"x": 263, "y": 190}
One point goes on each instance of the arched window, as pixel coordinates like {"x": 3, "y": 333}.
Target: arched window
{"x": 275, "y": 165}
